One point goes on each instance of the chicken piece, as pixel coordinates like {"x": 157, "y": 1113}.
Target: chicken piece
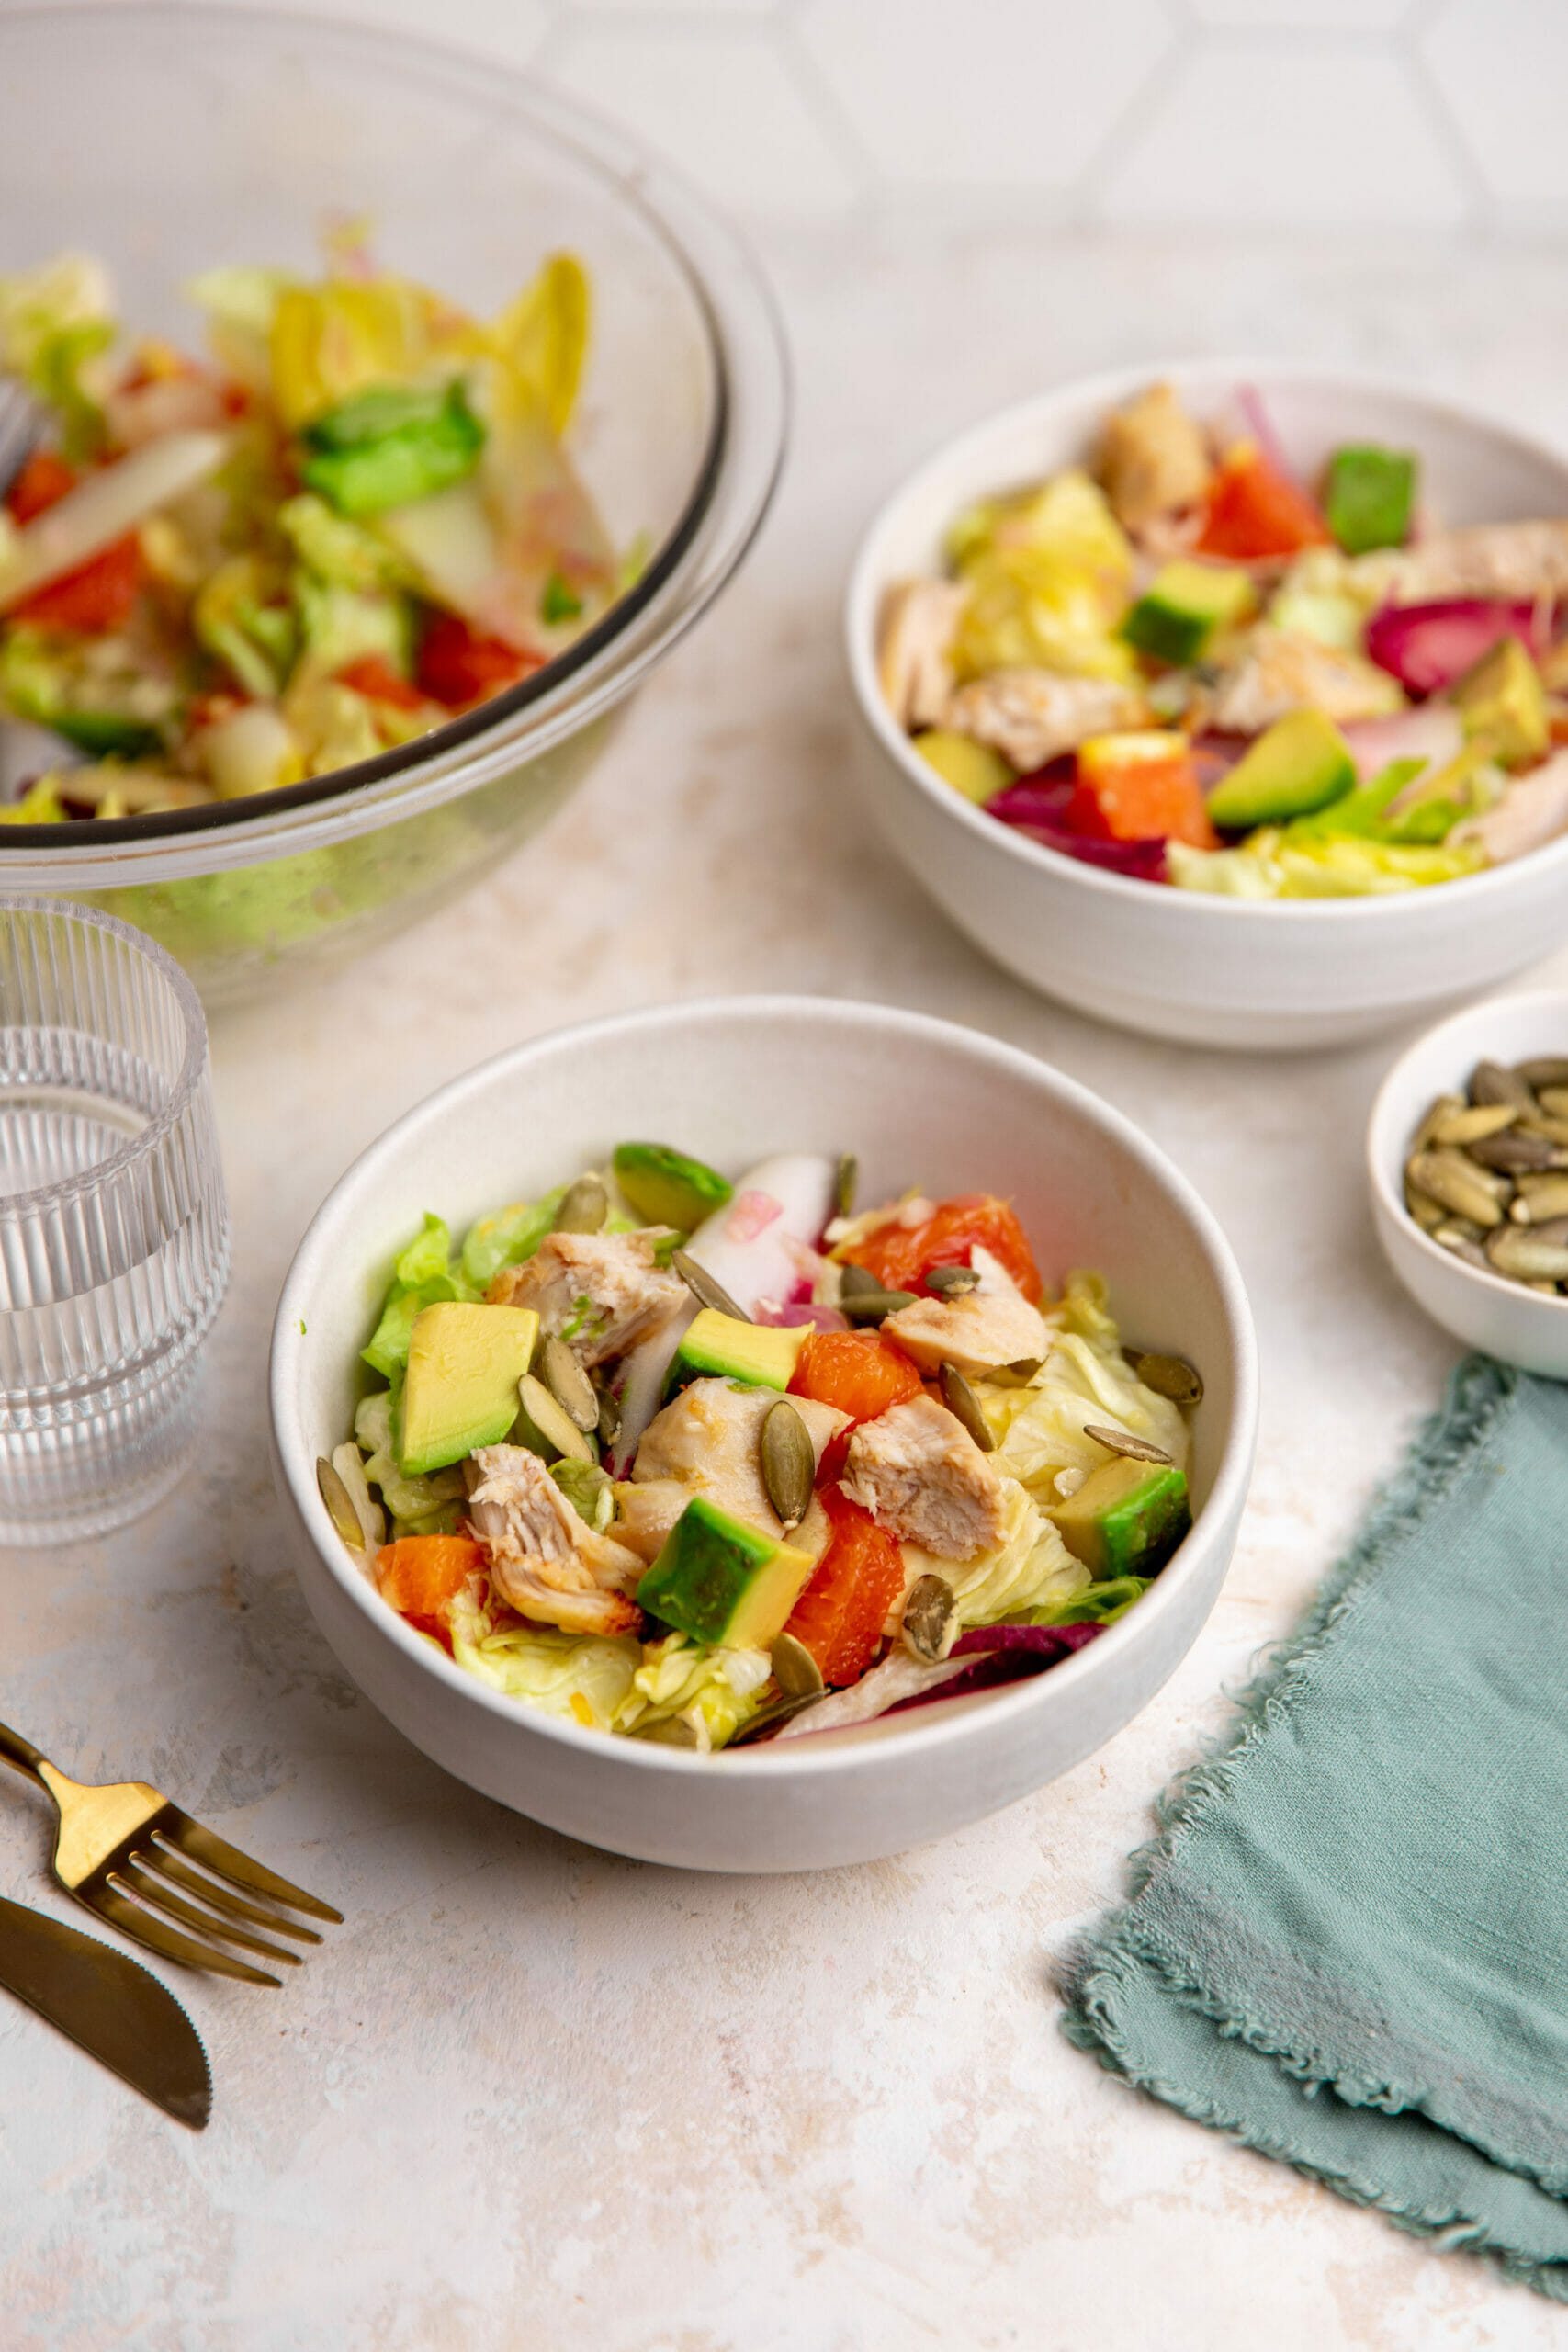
{"x": 1153, "y": 458}
{"x": 921, "y": 1475}
{"x": 913, "y": 645}
{"x": 976, "y": 1332}
{"x": 600, "y": 1292}
{"x": 1534, "y": 810}
{"x": 1520, "y": 561}
{"x": 1279, "y": 672}
{"x": 709, "y": 1441}
{"x": 543, "y": 1558}
{"x": 1029, "y": 716}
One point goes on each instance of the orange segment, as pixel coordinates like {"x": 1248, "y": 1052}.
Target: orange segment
{"x": 901, "y": 1256}
{"x": 839, "y": 1617}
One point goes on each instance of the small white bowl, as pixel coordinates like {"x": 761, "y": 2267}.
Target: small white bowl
{"x": 734, "y": 1080}
{"x": 1520, "y": 1325}
{"x": 1210, "y": 970}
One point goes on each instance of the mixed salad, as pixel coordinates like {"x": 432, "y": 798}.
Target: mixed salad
{"x": 353, "y": 518}
{"x": 1188, "y": 666}
{"x": 702, "y": 1462}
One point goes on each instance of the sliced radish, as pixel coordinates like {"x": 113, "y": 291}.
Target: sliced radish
{"x": 104, "y": 507}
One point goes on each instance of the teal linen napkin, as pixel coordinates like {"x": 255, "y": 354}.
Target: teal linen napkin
{"x": 1349, "y": 1948}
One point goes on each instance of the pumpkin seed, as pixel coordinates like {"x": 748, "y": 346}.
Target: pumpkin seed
{"x": 1544, "y": 1069}
{"x": 1540, "y": 1197}
{"x": 1490, "y": 1083}
{"x": 675, "y": 1732}
{"x": 926, "y": 1609}
{"x": 1428, "y": 1213}
{"x": 1137, "y": 1449}
{"x": 1445, "y": 1107}
{"x": 1463, "y": 1126}
{"x": 1554, "y": 1101}
{"x": 768, "y": 1719}
{"x": 952, "y": 1282}
{"x": 1517, "y": 1251}
{"x": 1536, "y": 1123}
{"x": 873, "y": 1306}
{"x": 585, "y": 1207}
{"x": 1024, "y": 1368}
{"x": 552, "y": 1422}
{"x": 568, "y": 1383}
{"x": 788, "y": 1463}
{"x": 339, "y": 1503}
{"x": 1169, "y": 1376}
{"x": 609, "y": 1420}
{"x": 1452, "y": 1180}
{"x": 1471, "y": 1251}
{"x": 795, "y": 1671}
{"x": 1551, "y": 1228}
{"x": 1518, "y": 1150}
{"x": 966, "y": 1407}
{"x": 1456, "y": 1228}
{"x": 857, "y": 1281}
{"x": 1546, "y": 1290}
{"x": 703, "y": 1287}
{"x": 846, "y": 1184}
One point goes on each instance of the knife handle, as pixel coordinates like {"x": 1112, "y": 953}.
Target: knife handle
{"x": 21, "y": 1754}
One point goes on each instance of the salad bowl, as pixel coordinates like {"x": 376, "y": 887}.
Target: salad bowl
{"x": 1212, "y": 971}
{"x": 171, "y": 142}
{"x": 916, "y": 1100}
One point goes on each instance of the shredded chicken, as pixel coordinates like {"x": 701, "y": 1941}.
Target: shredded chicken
{"x": 600, "y": 1292}
{"x": 1279, "y": 672}
{"x": 920, "y": 1474}
{"x": 708, "y": 1441}
{"x": 1030, "y": 716}
{"x": 1517, "y": 561}
{"x": 543, "y": 1558}
{"x": 977, "y": 1331}
{"x": 1532, "y": 810}
{"x": 1153, "y": 460}
{"x": 919, "y": 619}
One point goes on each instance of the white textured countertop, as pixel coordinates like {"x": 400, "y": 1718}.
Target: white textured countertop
{"x": 533, "y": 2094}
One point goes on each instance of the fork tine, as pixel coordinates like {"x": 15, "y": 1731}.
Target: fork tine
{"x": 168, "y": 1864}
{"x": 227, "y": 1861}
{"x": 147, "y": 1929}
{"x": 151, "y": 1889}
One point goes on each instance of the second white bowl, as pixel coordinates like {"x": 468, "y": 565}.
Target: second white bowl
{"x": 1181, "y": 964}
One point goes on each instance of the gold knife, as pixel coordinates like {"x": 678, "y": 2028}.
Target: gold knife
{"x": 115, "y": 2009}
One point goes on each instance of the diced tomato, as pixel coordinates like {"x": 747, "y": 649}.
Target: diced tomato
{"x": 1254, "y": 511}
{"x": 902, "y": 1256}
{"x": 839, "y": 1615}
{"x": 421, "y": 1575}
{"x": 43, "y": 482}
{"x": 97, "y": 597}
{"x": 374, "y": 676}
{"x": 456, "y": 666}
{"x": 1139, "y": 787}
{"x": 859, "y": 1373}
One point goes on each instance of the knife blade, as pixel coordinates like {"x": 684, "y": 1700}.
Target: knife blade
{"x": 110, "y": 2005}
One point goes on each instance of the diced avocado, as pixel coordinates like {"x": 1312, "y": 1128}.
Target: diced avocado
{"x": 460, "y": 1389}
{"x": 973, "y": 769}
{"x": 1184, "y": 606}
{"x": 1300, "y": 763}
{"x": 717, "y": 1347}
{"x": 1502, "y": 704}
{"x": 1368, "y": 497}
{"x": 1126, "y": 1518}
{"x": 666, "y": 1187}
{"x": 723, "y": 1583}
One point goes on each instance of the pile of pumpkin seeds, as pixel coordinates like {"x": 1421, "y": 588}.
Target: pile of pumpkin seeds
{"x": 1487, "y": 1175}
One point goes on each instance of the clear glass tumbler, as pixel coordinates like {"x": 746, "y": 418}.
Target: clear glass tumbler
{"x": 114, "y": 1226}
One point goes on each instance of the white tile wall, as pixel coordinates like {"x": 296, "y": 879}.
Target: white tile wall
{"x": 1282, "y": 113}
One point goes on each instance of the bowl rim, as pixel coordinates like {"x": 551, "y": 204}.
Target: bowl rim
{"x": 317, "y": 1253}
{"x": 1383, "y": 1150}
{"x": 559, "y": 120}
{"x": 1105, "y": 386}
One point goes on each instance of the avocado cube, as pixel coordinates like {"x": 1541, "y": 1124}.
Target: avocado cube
{"x": 718, "y": 1347}
{"x": 1184, "y": 607}
{"x": 1368, "y": 497}
{"x": 1301, "y": 763}
{"x": 1126, "y": 1518}
{"x": 1502, "y": 704}
{"x": 460, "y": 1390}
{"x": 663, "y": 1186}
{"x": 971, "y": 769}
{"x": 726, "y": 1585}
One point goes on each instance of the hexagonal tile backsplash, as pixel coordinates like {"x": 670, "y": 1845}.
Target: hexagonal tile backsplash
{"x": 1306, "y": 114}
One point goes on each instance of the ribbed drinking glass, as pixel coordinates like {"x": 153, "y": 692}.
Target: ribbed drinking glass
{"x": 114, "y": 1226}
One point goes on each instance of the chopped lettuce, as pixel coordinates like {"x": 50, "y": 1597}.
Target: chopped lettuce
{"x": 242, "y": 616}
{"x": 710, "y": 1692}
{"x": 583, "y": 1678}
{"x": 1267, "y": 865}
{"x": 507, "y": 1238}
{"x": 40, "y": 805}
{"x": 94, "y": 691}
{"x": 1089, "y": 1603}
{"x": 391, "y": 446}
{"x": 337, "y": 549}
{"x": 1084, "y": 1379}
{"x": 1031, "y": 1565}
{"x": 423, "y": 1276}
{"x": 338, "y": 625}
{"x": 1048, "y": 578}
{"x": 54, "y": 321}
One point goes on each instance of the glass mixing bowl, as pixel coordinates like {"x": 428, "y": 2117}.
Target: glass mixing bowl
{"x": 169, "y": 139}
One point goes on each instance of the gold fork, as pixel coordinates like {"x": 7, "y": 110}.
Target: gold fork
{"x": 124, "y": 1848}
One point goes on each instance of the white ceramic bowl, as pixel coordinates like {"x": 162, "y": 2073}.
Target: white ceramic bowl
{"x": 1178, "y": 963}
{"x": 733, "y": 1080}
{"x": 1518, "y": 1325}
